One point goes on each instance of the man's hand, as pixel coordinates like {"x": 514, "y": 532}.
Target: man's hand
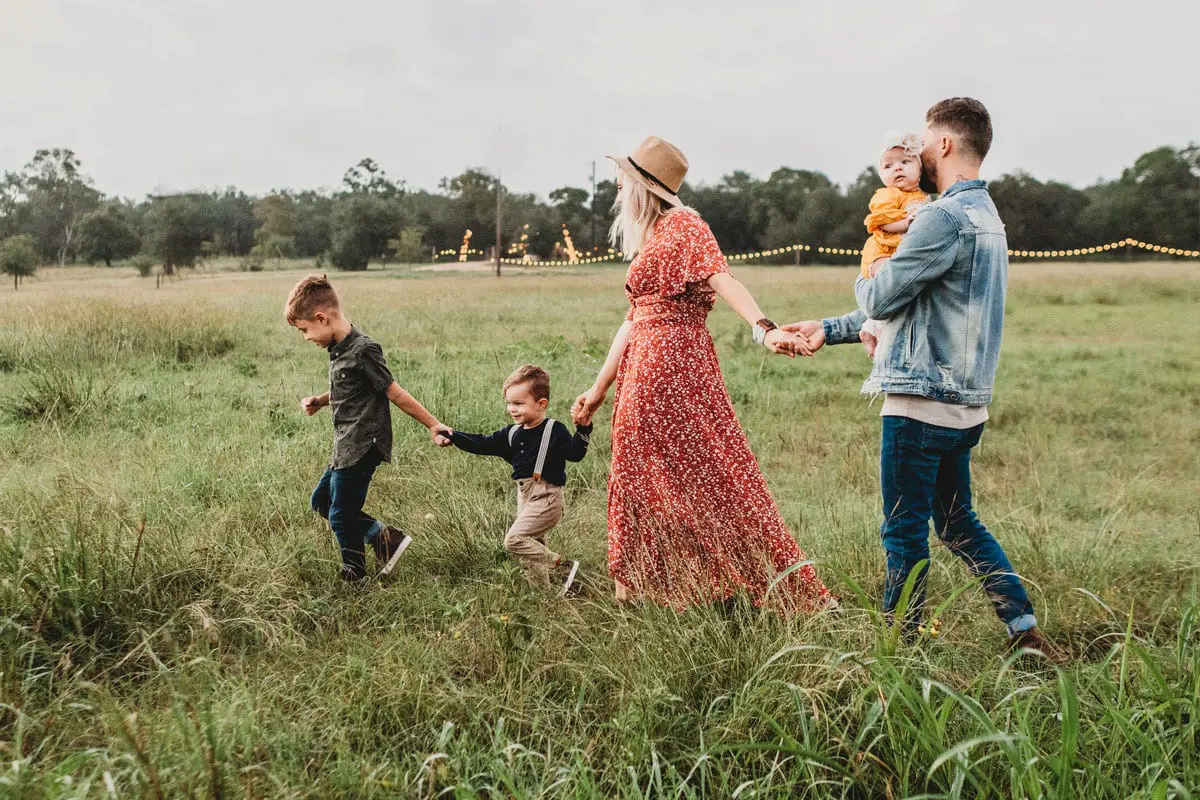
{"x": 877, "y": 265}
{"x": 311, "y": 405}
{"x": 812, "y": 330}
{"x": 441, "y": 434}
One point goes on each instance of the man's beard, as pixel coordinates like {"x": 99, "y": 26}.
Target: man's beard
{"x": 928, "y": 182}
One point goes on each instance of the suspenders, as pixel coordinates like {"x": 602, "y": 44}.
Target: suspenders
{"x": 543, "y": 449}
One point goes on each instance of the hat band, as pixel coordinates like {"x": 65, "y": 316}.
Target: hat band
{"x": 650, "y": 177}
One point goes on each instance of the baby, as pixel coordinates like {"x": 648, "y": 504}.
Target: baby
{"x": 892, "y": 210}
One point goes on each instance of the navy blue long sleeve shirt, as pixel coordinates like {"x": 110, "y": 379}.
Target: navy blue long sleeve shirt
{"x": 523, "y": 452}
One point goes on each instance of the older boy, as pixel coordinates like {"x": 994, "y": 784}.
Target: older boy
{"x": 360, "y": 386}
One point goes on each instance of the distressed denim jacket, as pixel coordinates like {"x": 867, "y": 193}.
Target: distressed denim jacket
{"x": 941, "y": 298}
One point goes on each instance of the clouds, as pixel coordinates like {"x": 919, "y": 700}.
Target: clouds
{"x": 269, "y": 94}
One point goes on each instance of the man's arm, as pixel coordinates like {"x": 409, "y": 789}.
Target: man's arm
{"x": 844, "y": 329}
{"x": 924, "y": 255}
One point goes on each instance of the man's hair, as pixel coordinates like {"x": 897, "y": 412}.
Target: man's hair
{"x": 537, "y": 378}
{"x": 314, "y": 293}
{"x": 967, "y": 118}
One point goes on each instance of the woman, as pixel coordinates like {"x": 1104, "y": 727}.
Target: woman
{"x": 690, "y": 518}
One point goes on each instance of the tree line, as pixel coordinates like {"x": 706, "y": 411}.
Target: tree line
{"x": 52, "y": 213}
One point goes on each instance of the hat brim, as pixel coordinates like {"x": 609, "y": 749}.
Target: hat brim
{"x": 629, "y": 169}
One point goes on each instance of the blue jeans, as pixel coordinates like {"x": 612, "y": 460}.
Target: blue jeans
{"x": 339, "y": 498}
{"x": 925, "y": 472}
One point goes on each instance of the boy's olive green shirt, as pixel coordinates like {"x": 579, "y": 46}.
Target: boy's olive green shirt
{"x": 358, "y": 381}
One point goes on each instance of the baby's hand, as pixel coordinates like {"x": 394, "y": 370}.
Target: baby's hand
{"x": 869, "y": 343}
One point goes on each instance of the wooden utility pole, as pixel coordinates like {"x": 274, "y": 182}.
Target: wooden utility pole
{"x": 499, "y": 196}
{"x": 595, "y": 244}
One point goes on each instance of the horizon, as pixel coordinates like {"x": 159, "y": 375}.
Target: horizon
{"x": 261, "y": 95}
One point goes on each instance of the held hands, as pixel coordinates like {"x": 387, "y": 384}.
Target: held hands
{"x": 787, "y": 343}
{"x": 813, "y": 333}
{"x": 441, "y": 434}
{"x": 311, "y": 405}
{"x": 585, "y": 406}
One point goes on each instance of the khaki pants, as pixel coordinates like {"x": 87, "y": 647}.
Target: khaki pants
{"x": 539, "y": 508}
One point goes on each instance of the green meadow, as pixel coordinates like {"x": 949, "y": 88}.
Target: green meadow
{"x": 171, "y": 624}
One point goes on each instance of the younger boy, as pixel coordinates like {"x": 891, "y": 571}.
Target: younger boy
{"x": 360, "y": 386}
{"x": 538, "y": 449}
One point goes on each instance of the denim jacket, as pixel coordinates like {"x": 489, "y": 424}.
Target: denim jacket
{"x": 941, "y": 299}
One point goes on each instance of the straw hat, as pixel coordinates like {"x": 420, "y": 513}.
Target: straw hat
{"x": 659, "y": 166}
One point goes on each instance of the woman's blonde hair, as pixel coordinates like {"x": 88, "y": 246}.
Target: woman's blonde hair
{"x": 636, "y": 209}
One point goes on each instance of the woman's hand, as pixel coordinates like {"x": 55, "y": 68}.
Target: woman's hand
{"x": 812, "y": 330}
{"x": 789, "y": 344}
{"x": 586, "y": 404}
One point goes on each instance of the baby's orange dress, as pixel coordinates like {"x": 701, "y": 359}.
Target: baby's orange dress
{"x": 887, "y": 206}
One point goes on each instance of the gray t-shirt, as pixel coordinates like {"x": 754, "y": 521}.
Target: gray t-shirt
{"x": 358, "y": 381}
{"x": 933, "y": 412}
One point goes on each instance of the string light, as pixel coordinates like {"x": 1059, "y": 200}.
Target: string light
{"x": 572, "y": 256}
{"x": 466, "y": 245}
{"x": 833, "y": 251}
{"x": 565, "y": 263}
{"x": 1043, "y": 254}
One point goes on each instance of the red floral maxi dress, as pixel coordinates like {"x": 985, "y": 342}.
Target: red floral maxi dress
{"x": 690, "y": 518}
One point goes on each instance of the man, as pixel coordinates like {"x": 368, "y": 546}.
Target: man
{"x": 941, "y": 297}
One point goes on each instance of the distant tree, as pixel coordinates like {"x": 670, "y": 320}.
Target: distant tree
{"x": 177, "y": 228}
{"x": 1039, "y": 216}
{"x": 229, "y": 216}
{"x": 734, "y": 208}
{"x": 48, "y": 197}
{"x": 367, "y": 177}
{"x": 606, "y": 195}
{"x": 276, "y": 233}
{"x": 363, "y": 224}
{"x": 314, "y": 223}
{"x": 19, "y": 258}
{"x": 409, "y": 248}
{"x": 1155, "y": 200}
{"x": 850, "y": 232}
{"x": 802, "y": 207}
{"x": 571, "y": 209}
{"x": 106, "y": 234}
{"x": 473, "y": 196}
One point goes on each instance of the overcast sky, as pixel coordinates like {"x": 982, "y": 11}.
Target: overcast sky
{"x": 261, "y": 94}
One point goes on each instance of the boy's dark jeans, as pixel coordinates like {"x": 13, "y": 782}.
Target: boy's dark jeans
{"x": 339, "y": 498}
{"x": 925, "y": 471}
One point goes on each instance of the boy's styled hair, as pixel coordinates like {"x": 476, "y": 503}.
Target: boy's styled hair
{"x": 537, "y": 378}
{"x": 966, "y": 117}
{"x": 314, "y": 293}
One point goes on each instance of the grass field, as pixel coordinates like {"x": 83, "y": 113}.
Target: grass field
{"x": 170, "y": 625}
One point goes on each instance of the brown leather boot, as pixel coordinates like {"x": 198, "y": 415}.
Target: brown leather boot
{"x": 1033, "y": 639}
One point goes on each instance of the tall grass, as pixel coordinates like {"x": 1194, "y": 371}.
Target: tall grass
{"x": 170, "y": 622}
